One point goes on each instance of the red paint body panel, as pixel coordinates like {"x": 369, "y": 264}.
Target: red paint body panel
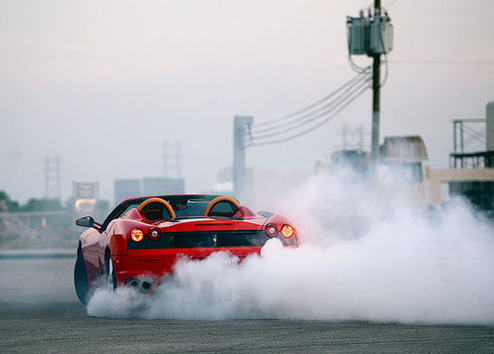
{"x": 159, "y": 263}
{"x": 150, "y": 258}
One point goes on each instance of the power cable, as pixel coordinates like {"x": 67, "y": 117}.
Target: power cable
{"x": 389, "y": 3}
{"x": 313, "y": 105}
{"x": 308, "y": 117}
{"x": 282, "y": 129}
{"x": 277, "y": 141}
{"x": 443, "y": 62}
{"x": 321, "y": 123}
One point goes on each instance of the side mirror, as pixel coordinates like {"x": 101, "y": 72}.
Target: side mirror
{"x": 86, "y": 221}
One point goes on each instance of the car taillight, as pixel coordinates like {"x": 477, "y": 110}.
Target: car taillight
{"x": 154, "y": 233}
{"x": 271, "y": 230}
{"x": 137, "y": 235}
{"x": 287, "y": 231}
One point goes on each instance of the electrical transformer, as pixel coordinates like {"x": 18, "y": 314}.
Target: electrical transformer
{"x": 369, "y": 35}
{"x": 357, "y": 34}
{"x": 381, "y": 35}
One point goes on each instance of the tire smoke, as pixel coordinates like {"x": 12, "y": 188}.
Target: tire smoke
{"x": 367, "y": 254}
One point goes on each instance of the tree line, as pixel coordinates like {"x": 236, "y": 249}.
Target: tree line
{"x": 7, "y": 204}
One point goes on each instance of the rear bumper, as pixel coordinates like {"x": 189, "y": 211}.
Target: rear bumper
{"x": 155, "y": 264}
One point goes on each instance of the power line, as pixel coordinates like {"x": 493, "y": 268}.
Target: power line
{"x": 443, "y": 62}
{"x": 309, "y": 117}
{"x": 345, "y": 104}
{"x": 327, "y": 109}
{"x": 392, "y": 2}
{"x": 356, "y": 78}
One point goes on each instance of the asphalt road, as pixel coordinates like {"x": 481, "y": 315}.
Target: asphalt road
{"x": 39, "y": 313}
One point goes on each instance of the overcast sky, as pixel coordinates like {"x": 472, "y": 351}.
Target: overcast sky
{"x": 103, "y": 84}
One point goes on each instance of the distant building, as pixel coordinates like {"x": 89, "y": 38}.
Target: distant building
{"x": 357, "y": 160}
{"x": 126, "y": 188}
{"x": 133, "y": 188}
{"x": 224, "y": 182}
{"x": 163, "y": 185}
{"x": 406, "y": 154}
{"x": 85, "y": 196}
{"x": 272, "y": 186}
{"x": 477, "y": 185}
{"x": 472, "y": 172}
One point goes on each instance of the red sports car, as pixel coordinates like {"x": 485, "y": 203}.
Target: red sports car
{"x": 142, "y": 238}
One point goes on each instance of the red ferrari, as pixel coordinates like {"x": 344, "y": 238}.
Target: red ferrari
{"x": 142, "y": 239}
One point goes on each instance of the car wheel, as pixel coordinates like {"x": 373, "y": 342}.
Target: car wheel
{"x": 111, "y": 279}
{"x": 80, "y": 278}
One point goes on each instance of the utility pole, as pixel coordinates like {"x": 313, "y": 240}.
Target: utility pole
{"x": 372, "y": 35}
{"x": 376, "y": 82}
{"x": 241, "y": 125}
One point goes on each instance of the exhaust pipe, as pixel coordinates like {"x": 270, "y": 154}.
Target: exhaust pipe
{"x": 134, "y": 283}
{"x": 141, "y": 284}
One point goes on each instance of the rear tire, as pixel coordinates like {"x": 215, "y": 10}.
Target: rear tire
{"x": 111, "y": 278}
{"x": 80, "y": 278}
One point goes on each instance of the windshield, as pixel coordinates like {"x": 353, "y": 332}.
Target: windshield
{"x": 189, "y": 207}
{"x": 185, "y": 206}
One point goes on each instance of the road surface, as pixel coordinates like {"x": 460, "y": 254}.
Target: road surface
{"x": 39, "y": 313}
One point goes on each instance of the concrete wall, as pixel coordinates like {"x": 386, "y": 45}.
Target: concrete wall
{"x": 434, "y": 178}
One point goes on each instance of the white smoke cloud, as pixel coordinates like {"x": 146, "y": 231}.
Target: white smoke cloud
{"x": 366, "y": 254}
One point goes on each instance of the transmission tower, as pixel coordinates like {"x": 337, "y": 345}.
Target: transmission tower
{"x": 172, "y": 166}
{"x": 352, "y": 138}
{"x": 53, "y": 185}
